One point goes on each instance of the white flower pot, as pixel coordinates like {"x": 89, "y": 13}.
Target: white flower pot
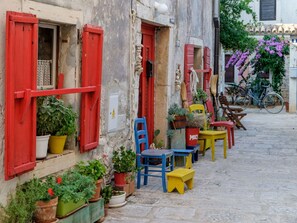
{"x": 41, "y": 146}
{"x": 118, "y": 200}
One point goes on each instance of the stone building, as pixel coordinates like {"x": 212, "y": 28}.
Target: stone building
{"x": 119, "y": 56}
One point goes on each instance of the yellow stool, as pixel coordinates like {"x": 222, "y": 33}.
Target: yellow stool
{"x": 177, "y": 178}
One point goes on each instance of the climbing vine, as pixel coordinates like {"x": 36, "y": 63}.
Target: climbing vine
{"x": 268, "y": 56}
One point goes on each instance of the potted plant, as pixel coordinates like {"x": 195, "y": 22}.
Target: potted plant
{"x": 94, "y": 169}
{"x": 177, "y": 116}
{"x": 63, "y": 123}
{"x": 43, "y": 127}
{"x": 35, "y": 199}
{"x": 118, "y": 199}
{"x": 46, "y": 199}
{"x": 124, "y": 164}
{"x": 74, "y": 190}
{"x": 106, "y": 194}
{"x": 200, "y": 97}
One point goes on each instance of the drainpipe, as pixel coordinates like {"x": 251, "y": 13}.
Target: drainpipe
{"x": 216, "y": 21}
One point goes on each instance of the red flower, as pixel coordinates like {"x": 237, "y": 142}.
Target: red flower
{"x": 51, "y": 192}
{"x": 59, "y": 180}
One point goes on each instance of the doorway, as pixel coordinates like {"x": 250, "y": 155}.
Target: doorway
{"x": 146, "y": 85}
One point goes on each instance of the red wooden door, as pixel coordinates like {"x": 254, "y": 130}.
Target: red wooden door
{"x": 146, "y": 85}
{"x": 20, "y": 114}
{"x": 91, "y": 75}
{"x": 188, "y": 64}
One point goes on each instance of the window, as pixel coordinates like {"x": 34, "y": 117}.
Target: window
{"x": 267, "y": 10}
{"x": 47, "y": 51}
{"x": 229, "y": 72}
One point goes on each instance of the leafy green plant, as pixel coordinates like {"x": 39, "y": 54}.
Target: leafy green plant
{"x": 200, "y": 96}
{"x": 157, "y": 143}
{"x": 92, "y": 168}
{"x": 175, "y": 110}
{"x": 106, "y": 193}
{"x": 54, "y": 118}
{"x": 233, "y": 32}
{"x": 124, "y": 160}
{"x": 21, "y": 205}
{"x": 75, "y": 187}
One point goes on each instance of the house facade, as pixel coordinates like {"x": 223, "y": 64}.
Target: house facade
{"x": 279, "y": 18}
{"x": 111, "y": 60}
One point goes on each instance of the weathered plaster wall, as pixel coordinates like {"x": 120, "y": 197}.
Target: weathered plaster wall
{"x": 121, "y": 22}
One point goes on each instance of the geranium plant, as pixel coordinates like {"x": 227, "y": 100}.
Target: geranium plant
{"x": 124, "y": 160}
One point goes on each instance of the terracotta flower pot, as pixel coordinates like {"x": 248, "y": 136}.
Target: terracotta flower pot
{"x": 97, "y": 195}
{"x": 119, "y": 179}
{"x": 46, "y": 211}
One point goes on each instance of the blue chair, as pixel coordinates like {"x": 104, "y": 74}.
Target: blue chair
{"x": 145, "y": 155}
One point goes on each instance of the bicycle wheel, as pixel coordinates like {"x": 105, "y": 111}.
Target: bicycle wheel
{"x": 273, "y": 103}
{"x": 243, "y": 101}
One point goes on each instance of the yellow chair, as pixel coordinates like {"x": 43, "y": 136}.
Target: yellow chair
{"x": 209, "y": 135}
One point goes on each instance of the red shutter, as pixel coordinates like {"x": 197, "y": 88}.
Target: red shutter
{"x": 188, "y": 64}
{"x": 20, "y": 114}
{"x": 91, "y": 75}
{"x": 206, "y": 65}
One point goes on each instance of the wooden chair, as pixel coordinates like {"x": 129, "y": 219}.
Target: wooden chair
{"x": 144, "y": 155}
{"x": 229, "y": 125}
{"x": 231, "y": 114}
{"x": 210, "y": 135}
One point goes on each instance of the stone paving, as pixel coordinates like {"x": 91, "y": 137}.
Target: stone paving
{"x": 256, "y": 183}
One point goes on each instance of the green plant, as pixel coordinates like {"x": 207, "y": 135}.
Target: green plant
{"x": 233, "y": 32}
{"x": 21, "y": 205}
{"x": 200, "y": 96}
{"x": 124, "y": 160}
{"x": 106, "y": 193}
{"x": 75, "y": 187}
{"x": 93, "y": 168}
{"x": 54, "y": 117}
{"x": 157, "y": 143}
{"x": 175, "y": 110}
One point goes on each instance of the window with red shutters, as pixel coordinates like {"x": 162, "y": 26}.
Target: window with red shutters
{"x": 21, "y": 91}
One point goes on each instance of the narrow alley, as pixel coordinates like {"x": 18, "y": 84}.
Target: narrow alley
{"x": 256, "y": 183}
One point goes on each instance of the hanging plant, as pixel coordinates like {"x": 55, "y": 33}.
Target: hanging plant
{"x": 269, "y": 55}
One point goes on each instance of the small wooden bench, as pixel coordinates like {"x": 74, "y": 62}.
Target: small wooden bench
{"x": 177, "y": 178}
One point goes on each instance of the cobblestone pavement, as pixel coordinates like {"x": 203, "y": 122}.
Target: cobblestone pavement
{"x": 256, "y": 183}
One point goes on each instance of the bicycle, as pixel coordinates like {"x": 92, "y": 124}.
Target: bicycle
{"x": 271, "y": 101}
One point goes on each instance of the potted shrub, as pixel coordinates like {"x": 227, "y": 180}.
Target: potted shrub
{"x": 63, "y": 123}
{"x": 34, "y": 199}
{"x": 177, "y": 116}
{"x": 200, "y": 97}
{"x": 118, "y": 199}
{"x": 124, "y": 164}
{"x": 74, "y": 190}
{"x": 106, "y": 194}
{"x": 94, "y": 169}
{"x": 43, "y": 127}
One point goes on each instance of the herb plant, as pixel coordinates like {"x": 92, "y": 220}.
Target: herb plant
{"x": 92, "y": 168}
{"x": 124, "y": 160}
{"x": 106, "y": 193}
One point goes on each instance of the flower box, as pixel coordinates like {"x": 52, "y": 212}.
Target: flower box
{"x": 66, "y": 208}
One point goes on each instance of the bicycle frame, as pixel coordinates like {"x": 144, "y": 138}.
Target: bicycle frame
{"x": 259, "y": 100}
